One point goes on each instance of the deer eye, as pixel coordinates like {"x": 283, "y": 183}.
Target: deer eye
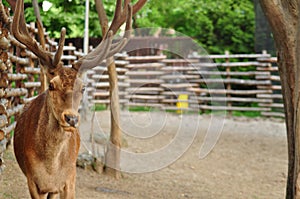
{"x": 83, "y": 89}
{"x": 51, "y": 87}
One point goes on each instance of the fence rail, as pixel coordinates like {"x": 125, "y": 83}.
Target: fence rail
{"x": 209, "y": 83}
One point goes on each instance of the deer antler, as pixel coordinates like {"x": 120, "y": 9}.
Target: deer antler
{"x": 120, "y": 15}
{"x": 106, "y": 49}
{"x": 21, "y": 33}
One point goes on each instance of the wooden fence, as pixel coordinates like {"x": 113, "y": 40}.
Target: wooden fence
{"x": 198, "y": 83}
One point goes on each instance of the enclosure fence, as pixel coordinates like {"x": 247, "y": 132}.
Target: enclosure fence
{"x": 197, "y": 83}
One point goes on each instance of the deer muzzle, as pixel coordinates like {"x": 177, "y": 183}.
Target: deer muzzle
{"x": 70, "y": 119}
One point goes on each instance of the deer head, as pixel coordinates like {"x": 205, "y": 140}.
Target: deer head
{"x": 65, "y": 87}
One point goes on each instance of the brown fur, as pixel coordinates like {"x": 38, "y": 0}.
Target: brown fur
{"x": 46, "y": 147}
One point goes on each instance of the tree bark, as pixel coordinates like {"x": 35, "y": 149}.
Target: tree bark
{"x": 284, "y": 21}
{"x": 113, "y": 150}
{"x": 112, "y": 155}
{"x": 102, "y": 16}
{"x": 120, "y": 16}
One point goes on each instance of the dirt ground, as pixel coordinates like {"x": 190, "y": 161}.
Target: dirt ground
{"x": 249, "y": 161}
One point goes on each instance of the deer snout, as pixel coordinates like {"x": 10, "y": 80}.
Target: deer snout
{"x": 71, "y": 119}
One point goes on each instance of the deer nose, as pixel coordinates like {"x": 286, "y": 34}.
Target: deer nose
{"x": 71, "y": 119}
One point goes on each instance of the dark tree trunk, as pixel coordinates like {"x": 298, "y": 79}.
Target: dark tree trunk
{"x": 284, "y": 21}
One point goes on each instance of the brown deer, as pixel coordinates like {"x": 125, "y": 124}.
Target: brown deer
{"x": 46, "y": 139}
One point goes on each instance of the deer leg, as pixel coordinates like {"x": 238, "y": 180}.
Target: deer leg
{"x": 68, "y": 193}
{"x": 52, "y": 195}
{"x": 69, "y": 190}
{"x": 33, "y": 189}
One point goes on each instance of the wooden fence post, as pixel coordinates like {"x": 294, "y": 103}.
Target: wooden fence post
{"x": 228, "y": 85}
{"x": 4, "y": 45}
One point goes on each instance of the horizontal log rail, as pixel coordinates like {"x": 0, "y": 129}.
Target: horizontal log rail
{"x": 231, "y": 65}
{"x": 240, "y": 82}
{"x": 5, "y": 131}
{"x": 3, "y": 121}
{"x": 14, "y": 110}
{"x": 31, "y": 84}
{"x": 15, "y": 77}
{"x": 18, "y": 60}
{"x": 12, "y": 92}
{"x": 30, "y": 70}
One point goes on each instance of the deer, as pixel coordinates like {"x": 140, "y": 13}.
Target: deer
{"x": 46, "y": 138}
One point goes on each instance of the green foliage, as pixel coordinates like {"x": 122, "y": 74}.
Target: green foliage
{"x": 69, "y": 14}
{"x": 217, "y": 25}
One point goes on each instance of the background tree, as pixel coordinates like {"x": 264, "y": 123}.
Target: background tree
{"x": 216, "y": 25}
{"x": 284, "y": 18}
{"x": 112, "y": 156}
{"x": 62, "y": 12}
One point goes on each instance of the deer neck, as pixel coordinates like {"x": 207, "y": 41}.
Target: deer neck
{"x": 52, "y": 137}
{"x": 50, "y": 127}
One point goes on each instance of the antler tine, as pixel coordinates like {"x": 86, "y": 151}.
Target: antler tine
{"x": 60, "y": 48}
{"x": 118, "y": 46}
{"x": 21, "y": 34}
{"x": 128, "y": 22}
{"x": 105, "y": 49}
{"x": 115, "y": 48}
{"x": 119, "y": 17}
{"x": 12, "y": 4}
{"x": 138, "y": 5}
{"x": 118, "y": 9}
{"x": 41, "y": 33}
{"x": 95, "y": 57}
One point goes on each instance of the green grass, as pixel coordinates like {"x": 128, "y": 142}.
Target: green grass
{"x": 246, "y": 113}
{"x": 140, "y": 109}
{"x": 250, "y": 114}
{"x": 99, "y": 107}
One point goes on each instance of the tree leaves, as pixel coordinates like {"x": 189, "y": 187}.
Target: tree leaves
{"x": 217, "y": 25}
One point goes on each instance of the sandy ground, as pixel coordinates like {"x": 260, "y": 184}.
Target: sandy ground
{"x": 249, "y": 161}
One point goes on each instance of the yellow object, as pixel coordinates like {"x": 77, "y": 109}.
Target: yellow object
{"x": 182, "y": 103}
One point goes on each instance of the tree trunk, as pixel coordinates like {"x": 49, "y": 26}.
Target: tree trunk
{"x": 283, "y": 18}
{"x": 113, "y": 150}
{"x": 112, "y": 156}
{"x": 288, "y": 87}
